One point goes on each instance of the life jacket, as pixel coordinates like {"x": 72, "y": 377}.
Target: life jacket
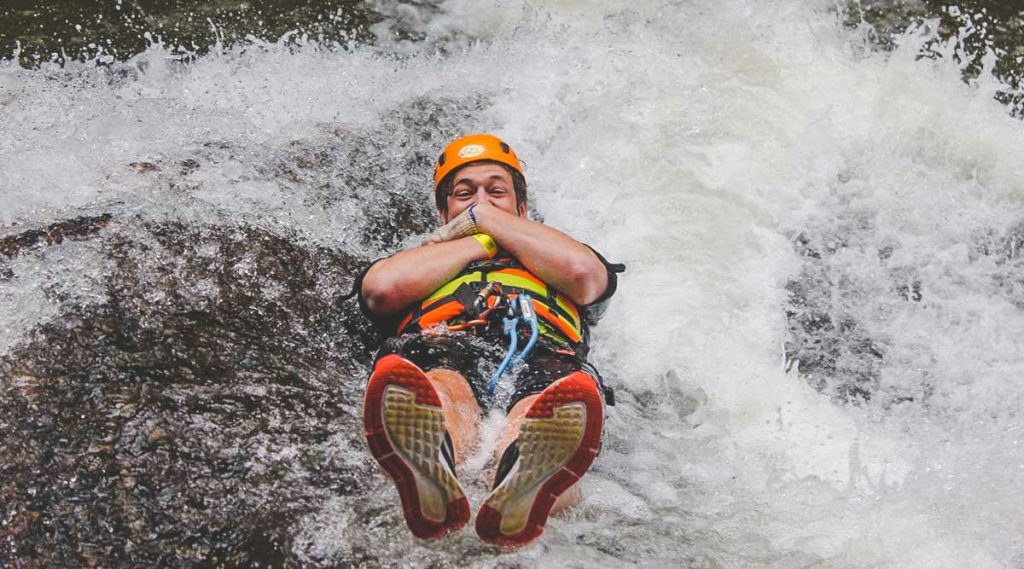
{"x": 559, "y": 319}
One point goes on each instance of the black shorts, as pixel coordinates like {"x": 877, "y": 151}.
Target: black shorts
{"x": 476, "y": 358}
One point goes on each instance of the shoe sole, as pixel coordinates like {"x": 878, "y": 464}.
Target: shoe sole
{"x": 405, "y": 427}
{"x": 557, "y": 444}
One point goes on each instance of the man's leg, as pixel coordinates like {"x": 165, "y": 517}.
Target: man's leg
{"x": 552, "y": 439}
{"x": 461, "y": 410}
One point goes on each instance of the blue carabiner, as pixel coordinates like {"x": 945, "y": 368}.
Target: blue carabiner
{"x": 530, "y": 317}
{"x": 522, "y": 304}
{"x": 509, "y": 327}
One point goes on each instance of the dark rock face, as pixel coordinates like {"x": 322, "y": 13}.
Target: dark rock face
{"x": 190, "y": 416}
{"x": 204, "y": 407}
{"x": 79, "y": 227}
{"x": 35, "y": 32}
{"x": 978, "y": 29}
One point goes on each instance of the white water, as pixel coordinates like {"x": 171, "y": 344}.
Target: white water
{"x": 691, "y": 141}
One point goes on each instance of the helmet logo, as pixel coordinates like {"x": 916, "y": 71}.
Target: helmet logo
{"x": 471, "y": 150}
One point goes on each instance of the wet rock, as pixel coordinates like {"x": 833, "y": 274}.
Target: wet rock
{"x": 980, "y": 30}
{"x": 79, "y": 227}
{"x": 187, "y": 166}
{"x": 39, "y": 32}
{"x": 156, "y": 435}
{"x": 144, "y": 167}
{"x": 193, "y": 416}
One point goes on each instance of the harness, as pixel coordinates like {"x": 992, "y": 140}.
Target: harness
{"x": 483, "y": 288}
{"x": 501, "y": 296}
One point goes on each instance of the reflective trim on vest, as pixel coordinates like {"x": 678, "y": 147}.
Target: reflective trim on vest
{"x": 526, "y": 281}
{"x": 560, "y": 313}
{"x": 544, "y": 312}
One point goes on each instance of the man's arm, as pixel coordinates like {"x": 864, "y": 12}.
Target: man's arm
{"x": 409, "y": 276}
{"x": 557, "y": 259}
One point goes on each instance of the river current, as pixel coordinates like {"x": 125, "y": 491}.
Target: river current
{"x": 817, "y": 347}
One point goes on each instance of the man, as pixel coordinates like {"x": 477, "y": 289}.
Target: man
{"x": 488, "y": 276}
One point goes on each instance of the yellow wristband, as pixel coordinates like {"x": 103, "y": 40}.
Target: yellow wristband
{"x": 487, "y": 242}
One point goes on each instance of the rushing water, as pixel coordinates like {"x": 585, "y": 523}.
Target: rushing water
{"x": 817, "y": 347}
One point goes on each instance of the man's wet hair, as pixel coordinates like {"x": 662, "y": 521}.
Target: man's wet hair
{"x": 444, "y": 189}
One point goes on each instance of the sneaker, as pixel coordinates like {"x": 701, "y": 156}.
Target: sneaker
{"x": 558, "y": 441}
{"x": 405, "y": 430}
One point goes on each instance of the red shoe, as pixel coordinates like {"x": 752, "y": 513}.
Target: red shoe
{"x": 405, "y": 429}
{"x": 557, "y": 443}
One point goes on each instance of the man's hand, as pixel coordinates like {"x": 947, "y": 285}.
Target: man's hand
{"x": 559, "y": 260}
{"x": 463, "y": 225}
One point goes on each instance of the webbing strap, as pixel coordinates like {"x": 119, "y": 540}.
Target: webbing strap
{"x": 445, "y": 303}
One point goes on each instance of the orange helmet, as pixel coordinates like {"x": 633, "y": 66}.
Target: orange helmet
{"x": 474, "y": 148}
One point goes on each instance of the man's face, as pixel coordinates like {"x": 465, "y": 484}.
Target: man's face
{"x": 486, "y": 182}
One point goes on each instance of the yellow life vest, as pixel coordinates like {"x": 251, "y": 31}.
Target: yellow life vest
{"x": 559, "y": 317}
